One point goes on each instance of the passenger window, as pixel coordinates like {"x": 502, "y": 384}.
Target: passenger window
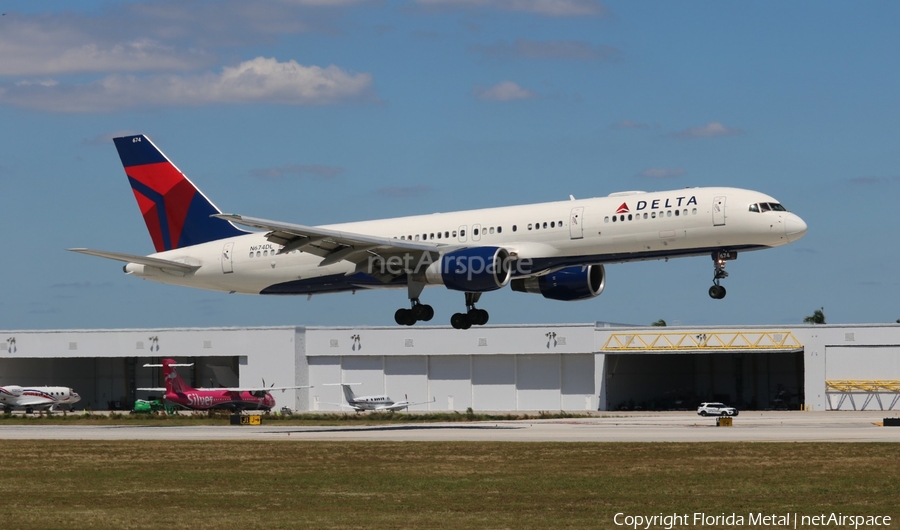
{"x": 645, "y": 215}
{"x": 251, "y": 254}
{"x": 432, "y": 236}
{"x": 614, "y": 218}
{"x": 552, "y": 224}
{"x": 454, "y": 233}
{"x": 684, "y": 212}
{"x": 514, "y": 228}
{"x": 475, "y": 231}
{"x": 545, "y": 224}
{"x": 677, "y": 213}
{"x": 652, "y": 215}
{"x": 439, "y": 235}
{"x": 559, "y": 224}
{"x": 606, "y": 219}
{"x": 669, "y": 213}
{"x": 537, "y": 226}
{"x": 446, "y": 235}
{"x": 462, "y": 233}
{"x": 491, "y": 230}
{"x": 499, "y": 229}
{"x": 629, "y": 217}
{"x": 529, "y": 226}
{"x": 417, "y": 237}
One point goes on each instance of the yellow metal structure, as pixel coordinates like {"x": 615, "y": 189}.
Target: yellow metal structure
{"x": 868, "y": 388}
{"x": 705, "y": 341}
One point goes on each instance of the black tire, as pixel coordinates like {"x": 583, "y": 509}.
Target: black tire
{"x": 429, "y": 313}
{"x": 704, "y": 413}
{"x": 404, "y": 317}
{"x": 460, "y": 321}
{"x": 478, "y": 317}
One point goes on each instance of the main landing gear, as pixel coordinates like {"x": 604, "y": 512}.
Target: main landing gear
{"x": 418, "y": 311}
{"x": 472, "y": 317}
{"x": 719, "y": 258}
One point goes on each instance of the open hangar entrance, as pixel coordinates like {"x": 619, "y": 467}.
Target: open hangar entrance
{"x": 757, "y": 370}
{"x": 110, "y": 383}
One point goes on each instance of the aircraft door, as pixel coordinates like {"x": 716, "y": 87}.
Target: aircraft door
{"x": 227, "y": 255}
{"x": 576, "y": 223}
{"x": 462, "y": 234}
{"x": 719, "y": 211}
{"x": 476, "y": 232}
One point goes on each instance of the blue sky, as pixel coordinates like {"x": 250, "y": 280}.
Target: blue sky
{"x": 318, "y": 111}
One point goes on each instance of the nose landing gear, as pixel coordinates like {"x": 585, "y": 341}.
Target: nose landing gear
{"x": 719, "y": 258}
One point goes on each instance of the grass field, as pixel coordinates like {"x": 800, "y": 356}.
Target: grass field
{"x": 430, "y": 485}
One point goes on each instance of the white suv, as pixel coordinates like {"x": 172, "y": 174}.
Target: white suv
{"x": 716, "y": 409}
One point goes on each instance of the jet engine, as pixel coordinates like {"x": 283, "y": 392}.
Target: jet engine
{"x": 472, "y": 270}
{"x": 569, "y": 284}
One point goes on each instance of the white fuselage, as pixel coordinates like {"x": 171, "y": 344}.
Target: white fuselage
{"x": 656, "y": 225}
{"x": 14, "y": 396}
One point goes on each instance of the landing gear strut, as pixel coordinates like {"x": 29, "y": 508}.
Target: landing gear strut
{"x": 472, "y": 317}
{"x": 719, "y": 258}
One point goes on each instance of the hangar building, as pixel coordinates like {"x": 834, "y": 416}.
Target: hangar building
{"x": 571, "y": 367}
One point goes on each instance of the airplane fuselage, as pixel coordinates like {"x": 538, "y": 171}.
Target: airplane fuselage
{"x": 36, "y": 397}
{"x": 547, "y": 236}
{"x": 197, "y": 399}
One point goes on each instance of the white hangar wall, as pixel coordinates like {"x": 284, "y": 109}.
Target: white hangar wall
{"x": 494, "y": 368}
{"x": 505, "y": 368}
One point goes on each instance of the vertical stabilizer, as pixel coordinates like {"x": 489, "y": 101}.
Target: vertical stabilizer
{"x": 348, "y": 393}
{"x": 176, "y": 212}
{"x": 174, "y": 382}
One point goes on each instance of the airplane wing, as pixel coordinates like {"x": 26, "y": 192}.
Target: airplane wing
{"x": 260, "y": 389}
{"x": 152, "y": 389}
{"x": 334, "y": 245}
{"x": 159, "y": 263}
{"x": 402, "y": 405}
{"x": 342, "y": 405}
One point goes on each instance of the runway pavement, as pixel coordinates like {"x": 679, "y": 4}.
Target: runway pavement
{"x": 832, "y": 426}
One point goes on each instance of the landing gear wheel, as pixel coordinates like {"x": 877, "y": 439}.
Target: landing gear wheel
{"x": 460, "y": 321}
{"x": 422, "y": 312}
{"x": 717, "y": 292}
{"x": 479, "y": 317}
{"x": 404, "y": 317}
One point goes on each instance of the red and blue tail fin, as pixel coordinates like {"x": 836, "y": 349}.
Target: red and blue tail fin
{"x": 174, "y": 382}
{"x": 176, "y": 212}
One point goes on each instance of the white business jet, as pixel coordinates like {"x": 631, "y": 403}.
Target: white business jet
{"x": 36, "y": 397}
{"x": 379, "y": 403}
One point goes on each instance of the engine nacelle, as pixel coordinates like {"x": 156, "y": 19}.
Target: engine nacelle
{"x": 473, "y": 270}
{"x": 569, "y": 284}
{"x": 11, "y": 390}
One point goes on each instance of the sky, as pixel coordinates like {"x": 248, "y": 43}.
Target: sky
{"x": 327, "y": 111}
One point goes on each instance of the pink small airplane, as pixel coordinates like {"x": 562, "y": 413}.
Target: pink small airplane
{"x": 180, "y": 393}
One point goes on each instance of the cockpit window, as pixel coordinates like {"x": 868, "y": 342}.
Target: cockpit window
{"x": 766, "y": 207}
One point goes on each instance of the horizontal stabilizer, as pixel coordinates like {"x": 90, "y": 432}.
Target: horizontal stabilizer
{"x": 141, "y": 260}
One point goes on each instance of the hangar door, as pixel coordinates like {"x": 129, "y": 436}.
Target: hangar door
{"x": 677, "y": 370}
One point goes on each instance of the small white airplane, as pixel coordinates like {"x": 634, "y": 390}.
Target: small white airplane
{"x": 376, "y": 403}
{"x": 36, "y": 397}
{"x": 555, "y": 249}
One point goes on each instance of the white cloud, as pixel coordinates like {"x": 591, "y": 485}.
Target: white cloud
{"x": 550, "y": 49}
{"x": 712, "y": 128}
{"x": 552, "y": 8}
{"x": 260, "y": 80}
{"x": 662, "y": 172}
{"x": 503, "y": 91}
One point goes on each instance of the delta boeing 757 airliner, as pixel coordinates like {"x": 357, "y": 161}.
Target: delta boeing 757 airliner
{"x": 555, "y": 249}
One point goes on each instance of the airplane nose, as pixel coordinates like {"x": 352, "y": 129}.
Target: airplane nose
{"x": 794, "y": 228}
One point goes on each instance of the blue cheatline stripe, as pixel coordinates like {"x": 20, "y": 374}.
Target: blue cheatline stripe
{"x": 160, "y": 203}
{"x": 137, "y": 153}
